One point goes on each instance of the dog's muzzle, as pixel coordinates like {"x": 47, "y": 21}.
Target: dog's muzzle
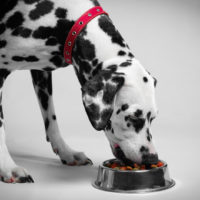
{"x": 147, "y": 159}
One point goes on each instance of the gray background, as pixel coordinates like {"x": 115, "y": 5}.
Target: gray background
{"x": 165, "y": 37}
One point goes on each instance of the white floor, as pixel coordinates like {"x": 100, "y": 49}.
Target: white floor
{"x": 56, "y": 181}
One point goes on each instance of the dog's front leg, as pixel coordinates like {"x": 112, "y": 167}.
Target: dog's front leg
{"x": 9, "y": 171}
{"x": 42, "y": 81}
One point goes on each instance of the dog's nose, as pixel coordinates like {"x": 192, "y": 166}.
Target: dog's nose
{"x": 150, "y": 159}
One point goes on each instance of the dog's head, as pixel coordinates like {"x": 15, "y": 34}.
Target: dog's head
{"x": 120, "y": 100}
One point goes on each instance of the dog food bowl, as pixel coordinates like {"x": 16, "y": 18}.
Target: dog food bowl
{"x": 132, "y": 181}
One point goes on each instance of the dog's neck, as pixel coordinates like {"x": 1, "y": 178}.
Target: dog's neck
{"x": 98, "y": 44}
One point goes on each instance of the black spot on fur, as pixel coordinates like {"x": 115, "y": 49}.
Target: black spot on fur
{"x": 149, "y": 136}
{"x": 86, "y": 67}
{"x": 93, "y": 87}
{"x": 112, "y": 68}
{"x": 3, "y": 56}
{"x": 126, "y": 118}
{"x": 43, "y": 80}
{"x": 3, "y": 74}
{"x": 1, "y": 111}
{"x": 109, "y": 125}
{"x": 81, "y": 71}
{"x": 145, "y": 79}
{"x": 125, "y": 64}
{"x": 152, "y": 119}
{"x": 155, "y": 81}
{"x": 30, "y": 1}
{"x": 54, "y": 117}
{"x": 148, "y": 72}
{"x": 125, "y": 107}
{"x": 41, "y": 9}
{"x": 138, "y": 124}
{"x": 51, "y": 41}
{"x": 85, "y": 49}
{"x": 121, "y": 156}
{"x": 46, "y": 123}
{"x": 31, "y": 59}
{"x": 1, "y": 123}
{"x": 23, "y": 32}
{"x": 118, "y": 111}
{"x": 144, "y": 149}
{"x": 6, "y": 6}
{"x": 47, "y": 138}
{"x": 5, "y": 63}
{"x": 118, "y": 80}
{"x": 138, "y": 113}
{"x": 18, "y": 58}
{"x": 80, "y": 76}
{"x": 61, "y": 13}
{"x": 131, "y": 55}
{"x": 128, "y": 125}
{"x": 106, "y": 84}
{"x": 43, "y": 32}
{"x": 55, "y": 53}
{"x": 106, "y": 75}
{"x": 95, "y": 2}
{"x": 148, "y": 116}
{"x": 105, "y": 116}
{"x": 97, "y": 69}
{"x": 2, "y": 28}
{"x": 3, "y": 43}
{"x": 48, "y": 69}
{"x": 15, "y": 20}
{"x": 43, "y": 99}
{"x": 119, "y": 73}
{"x": 57, "y": 61}
{"x": 107, "y": 26}
{"x": 121, "y": 53}
{"x": 93, "y": 112}
{"x": 95, "y": 62}
{"x": 109, "y": 93}
{"x": 60, "y": 32}
{"x": 112, "y": 130}
{"x": 49, "y": 84}
{"x": 27, "y": 59}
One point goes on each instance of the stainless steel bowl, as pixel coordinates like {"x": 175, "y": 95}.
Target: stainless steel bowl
{"x": 128, "y": 181}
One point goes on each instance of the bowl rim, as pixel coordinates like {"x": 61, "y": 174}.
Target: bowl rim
{"x": 132, "y": 171}
{"x": 171, "y": 184}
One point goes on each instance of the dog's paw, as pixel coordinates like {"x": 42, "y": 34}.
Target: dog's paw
{"x": 75, "y": 159}
{"x": 16, "y": 175}
{"x": 67, "y": 155}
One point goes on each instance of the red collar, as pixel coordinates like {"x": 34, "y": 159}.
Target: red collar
{"x": 77, "y": 28}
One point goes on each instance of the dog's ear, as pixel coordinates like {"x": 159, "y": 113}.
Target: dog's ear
{"x": 98, "y": 96}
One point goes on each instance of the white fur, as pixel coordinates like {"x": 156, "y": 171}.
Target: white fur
{"x": 138, "y": 95}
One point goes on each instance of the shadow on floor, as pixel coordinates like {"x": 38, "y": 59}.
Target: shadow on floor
{"x": 44, "y": 169}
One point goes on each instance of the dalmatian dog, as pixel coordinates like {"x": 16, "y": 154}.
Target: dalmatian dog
{"x": 118, "y": 93}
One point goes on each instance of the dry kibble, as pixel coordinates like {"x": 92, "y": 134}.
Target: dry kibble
{"x": 134, "y": 167}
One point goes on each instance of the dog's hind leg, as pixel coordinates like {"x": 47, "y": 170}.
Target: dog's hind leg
{"x": 42, "y": 81}
{"x": 9, "y": 171}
